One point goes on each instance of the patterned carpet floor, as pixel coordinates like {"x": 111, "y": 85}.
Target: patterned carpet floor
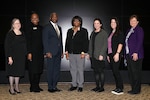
{"x": 87, "y": 94}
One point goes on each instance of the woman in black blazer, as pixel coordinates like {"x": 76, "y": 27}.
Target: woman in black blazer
{"x": 115, "y": 45}
{"x": 76, "y": 47}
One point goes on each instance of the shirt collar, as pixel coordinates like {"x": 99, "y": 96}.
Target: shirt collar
{"x": 78, "y": 28}
{"x": 53, "y": 23}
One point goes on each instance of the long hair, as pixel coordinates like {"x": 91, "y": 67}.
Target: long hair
{"x": 117, "y": 25}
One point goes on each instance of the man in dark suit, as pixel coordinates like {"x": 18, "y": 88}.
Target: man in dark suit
{"x": 53, "y": 50}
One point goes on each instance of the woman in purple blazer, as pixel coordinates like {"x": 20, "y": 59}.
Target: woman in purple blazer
{"x": 134, "y": 52}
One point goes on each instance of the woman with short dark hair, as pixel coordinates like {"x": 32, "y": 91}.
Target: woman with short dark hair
{"x": 134, "y": 53}
{"x": 76, "y": 46}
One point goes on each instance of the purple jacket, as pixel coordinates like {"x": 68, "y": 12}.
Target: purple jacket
{"x": 135, "y": 42}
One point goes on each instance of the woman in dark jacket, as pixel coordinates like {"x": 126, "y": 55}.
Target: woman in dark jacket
{"x": 35, "y": 52}
{"x": 115, "y": 49}
{"x": 134, "y": 53}
{"x": 76, "y": 46}
{"x": 15, "y": 52}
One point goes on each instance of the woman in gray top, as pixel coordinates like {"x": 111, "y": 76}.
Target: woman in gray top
{"x": 97, "y": 53}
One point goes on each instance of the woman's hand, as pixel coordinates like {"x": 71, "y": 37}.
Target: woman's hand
{"x": 116, "y": 57}
{"x": 101, "y": 57}
{"x": 108, "y": 59}
{"x": 135, "y": 56}
{"x": 10, "y": 60}
{"x": 82, "y": 55}
{"x": 29, "y": 57}
{"x": 67, "y": 55}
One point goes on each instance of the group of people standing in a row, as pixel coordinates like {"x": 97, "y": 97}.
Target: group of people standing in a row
{"x": 38, "y": 43}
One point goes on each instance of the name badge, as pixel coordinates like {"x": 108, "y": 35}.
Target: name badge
{"x": 34, "y": 28}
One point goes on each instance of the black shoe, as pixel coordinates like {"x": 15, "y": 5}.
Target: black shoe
{"x": 72, "y": 88}
{"x": 40, "y": 89}
{"x": 95, "y": 89}
{"x": 57, "y": 90}
{"x": 132, "y": 92}
{"x": 100, "y": 90}
{"x": 117, "y": 91}
{"x": 80, "y": 89}
{"x": 114, "y": 90}
{"x": 34, "y": 90}
{"x": 17, "y": 91}
{"x": 51, "y": 90}
{"x": 14, "y": 93}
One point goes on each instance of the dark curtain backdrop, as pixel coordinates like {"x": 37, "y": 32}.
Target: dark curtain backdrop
{"x": 66, "y": 9}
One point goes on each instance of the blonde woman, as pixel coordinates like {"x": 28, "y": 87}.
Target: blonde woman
{"x": 15, "y": 52}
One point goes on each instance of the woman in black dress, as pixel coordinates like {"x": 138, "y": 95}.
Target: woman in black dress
{"x": 35, "y": 52}
{"x": 15, "y": 52}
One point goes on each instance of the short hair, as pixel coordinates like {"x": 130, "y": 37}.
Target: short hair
{"x": 134, "y": 16}
{"x": 12, "y": 22}
{"x": 34, "y": 12}
{"x": 100, "y": 21}
{"x": 78, "y": 18}
{"x": 51, "y": 15}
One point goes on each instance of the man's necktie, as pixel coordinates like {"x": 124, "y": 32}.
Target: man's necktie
{"x": 57, "y": 30}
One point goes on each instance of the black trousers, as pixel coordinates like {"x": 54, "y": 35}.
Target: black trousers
{"x": 135, "y": 69}
{"x": 34, "y": 80}
{"x": 116, "y": 72}
{"x": 34, "y": 77}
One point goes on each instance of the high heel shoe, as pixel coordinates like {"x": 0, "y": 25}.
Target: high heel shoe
{"x": 17, "y": 91}
{"x": 12, "y": 93}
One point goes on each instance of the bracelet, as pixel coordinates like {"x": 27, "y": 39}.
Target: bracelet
{"x": 118, "y": 52}
{"x": 82, "y": 52}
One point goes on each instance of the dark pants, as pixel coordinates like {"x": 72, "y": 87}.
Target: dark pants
{"x": 134, "y": 69}
{"x": 98, "y": 67}
{"x": 53, "y": 71}
{"x": 34, "y": 80}
{"x": 116, "y": 72}
{"x": 34, "y": 77}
